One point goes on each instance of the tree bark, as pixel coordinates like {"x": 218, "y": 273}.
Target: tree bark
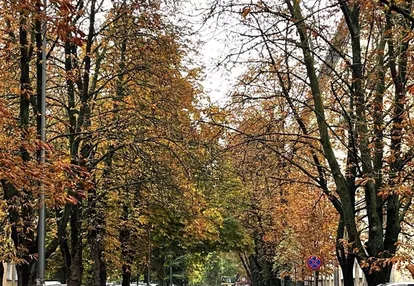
{"x": 1, "y": 273}
{"x": 81, "y": 149}
{"x": 76, "y": 268}
{"x": 96, "y": 233}
{"x": 347, "y": 267}
{"x": 125, "y": 239}
{"x": 345, "y": 258}
{"x": 23, "y": 227}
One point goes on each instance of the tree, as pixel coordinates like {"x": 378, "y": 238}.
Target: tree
{"x": 286, "y": 216}
{"x": 23, "y": 182}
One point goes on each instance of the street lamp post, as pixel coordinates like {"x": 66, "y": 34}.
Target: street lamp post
{"x": 149, "y": 258}
{"x": 170, "y": 275}
{"x": 42, "y": 206}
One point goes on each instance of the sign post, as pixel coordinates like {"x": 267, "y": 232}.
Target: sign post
{"x": 314, "y": 262}
{"x": 41, "y": 264}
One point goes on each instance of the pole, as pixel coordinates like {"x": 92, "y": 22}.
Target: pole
{"x": 149, "y": 258}
{"x": 42, "y": 207}
{"x": 170, "y": 275}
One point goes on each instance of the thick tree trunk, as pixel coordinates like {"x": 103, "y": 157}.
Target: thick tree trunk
{"x": 286, "y": 281}
{"x": 261, "y": 268}
{"x": 23, "y": 274}
{"x": 378, "y": 277}
{"x": 1, "y": 273}
{"x": 75, "y": 269}
{"x": 126, "y": 275}
{"x": 347, "y": 267}
{"x": 97, "y": 206}
{"x": 272, "y": 279}
{"x": 256, "y": 271}
{"x": 95, "y": 256}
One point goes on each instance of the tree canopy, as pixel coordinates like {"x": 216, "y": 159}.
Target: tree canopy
{"x": 312, "y": 155}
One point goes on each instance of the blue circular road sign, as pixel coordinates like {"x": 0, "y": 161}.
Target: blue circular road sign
{"x": 314, "y": 262}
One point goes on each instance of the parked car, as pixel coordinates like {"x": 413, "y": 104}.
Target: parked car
{"x": 397, "y": 284}
{"x": 52, "y": 283}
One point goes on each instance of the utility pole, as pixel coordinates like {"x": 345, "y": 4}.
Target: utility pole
{"x": 42, "y": 211}
{"x": 170, "y": 275}
{"x": 149, "y": 258}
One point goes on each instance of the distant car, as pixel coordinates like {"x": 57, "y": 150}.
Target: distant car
{"x": 52, "y": 283}
{"x": 411, "y": 283}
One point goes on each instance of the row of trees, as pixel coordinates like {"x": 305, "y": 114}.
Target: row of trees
{"x": 312, "y": 156}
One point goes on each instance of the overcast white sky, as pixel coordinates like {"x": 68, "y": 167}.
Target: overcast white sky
{"x": 214, "y": 48}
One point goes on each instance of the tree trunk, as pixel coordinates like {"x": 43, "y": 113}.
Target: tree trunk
{"x": 23, "y": 274}
{"x": 76, "y": 268}
{"x": 23, "y": 234}
{"x": 347, "y": 267}
{"x": 346, "y": 260}
{"x": 378, "y": 277}
{"x": 80, "y": 148}
{"x": 261, "y": 268}
{"x": 286, "y": 281}
{"x": 340, "y": 181}
{"x": 126, "y": 275}
{"x": 125, "y": 239}
{"x": 1, "y": 273}
{"x": 96, "y": 233}
{"x": 67, "y": 260}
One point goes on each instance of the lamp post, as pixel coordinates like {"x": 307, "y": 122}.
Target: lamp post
{"x": 42, "y": 206}
{"x": 149, "y": 258}
{"x": 170, "y": 275}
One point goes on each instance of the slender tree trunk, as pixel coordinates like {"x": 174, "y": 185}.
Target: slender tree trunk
{"x": 340, "y": 181}
{"x": 346, "y": 260}
{"x": 67, "y": 260}
{"x": 124, "y": 235}
{"x": 125, "y": 239}
{"x": 80, "y": 147}
{"x": 76, "y": 268}
{"x": 36, "y": 102}
{"x": 23, "y": 235}
{"x": 96, "y": 233}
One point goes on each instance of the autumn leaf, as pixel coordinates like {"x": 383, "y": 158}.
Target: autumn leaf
{"x": 246, "y": 10}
